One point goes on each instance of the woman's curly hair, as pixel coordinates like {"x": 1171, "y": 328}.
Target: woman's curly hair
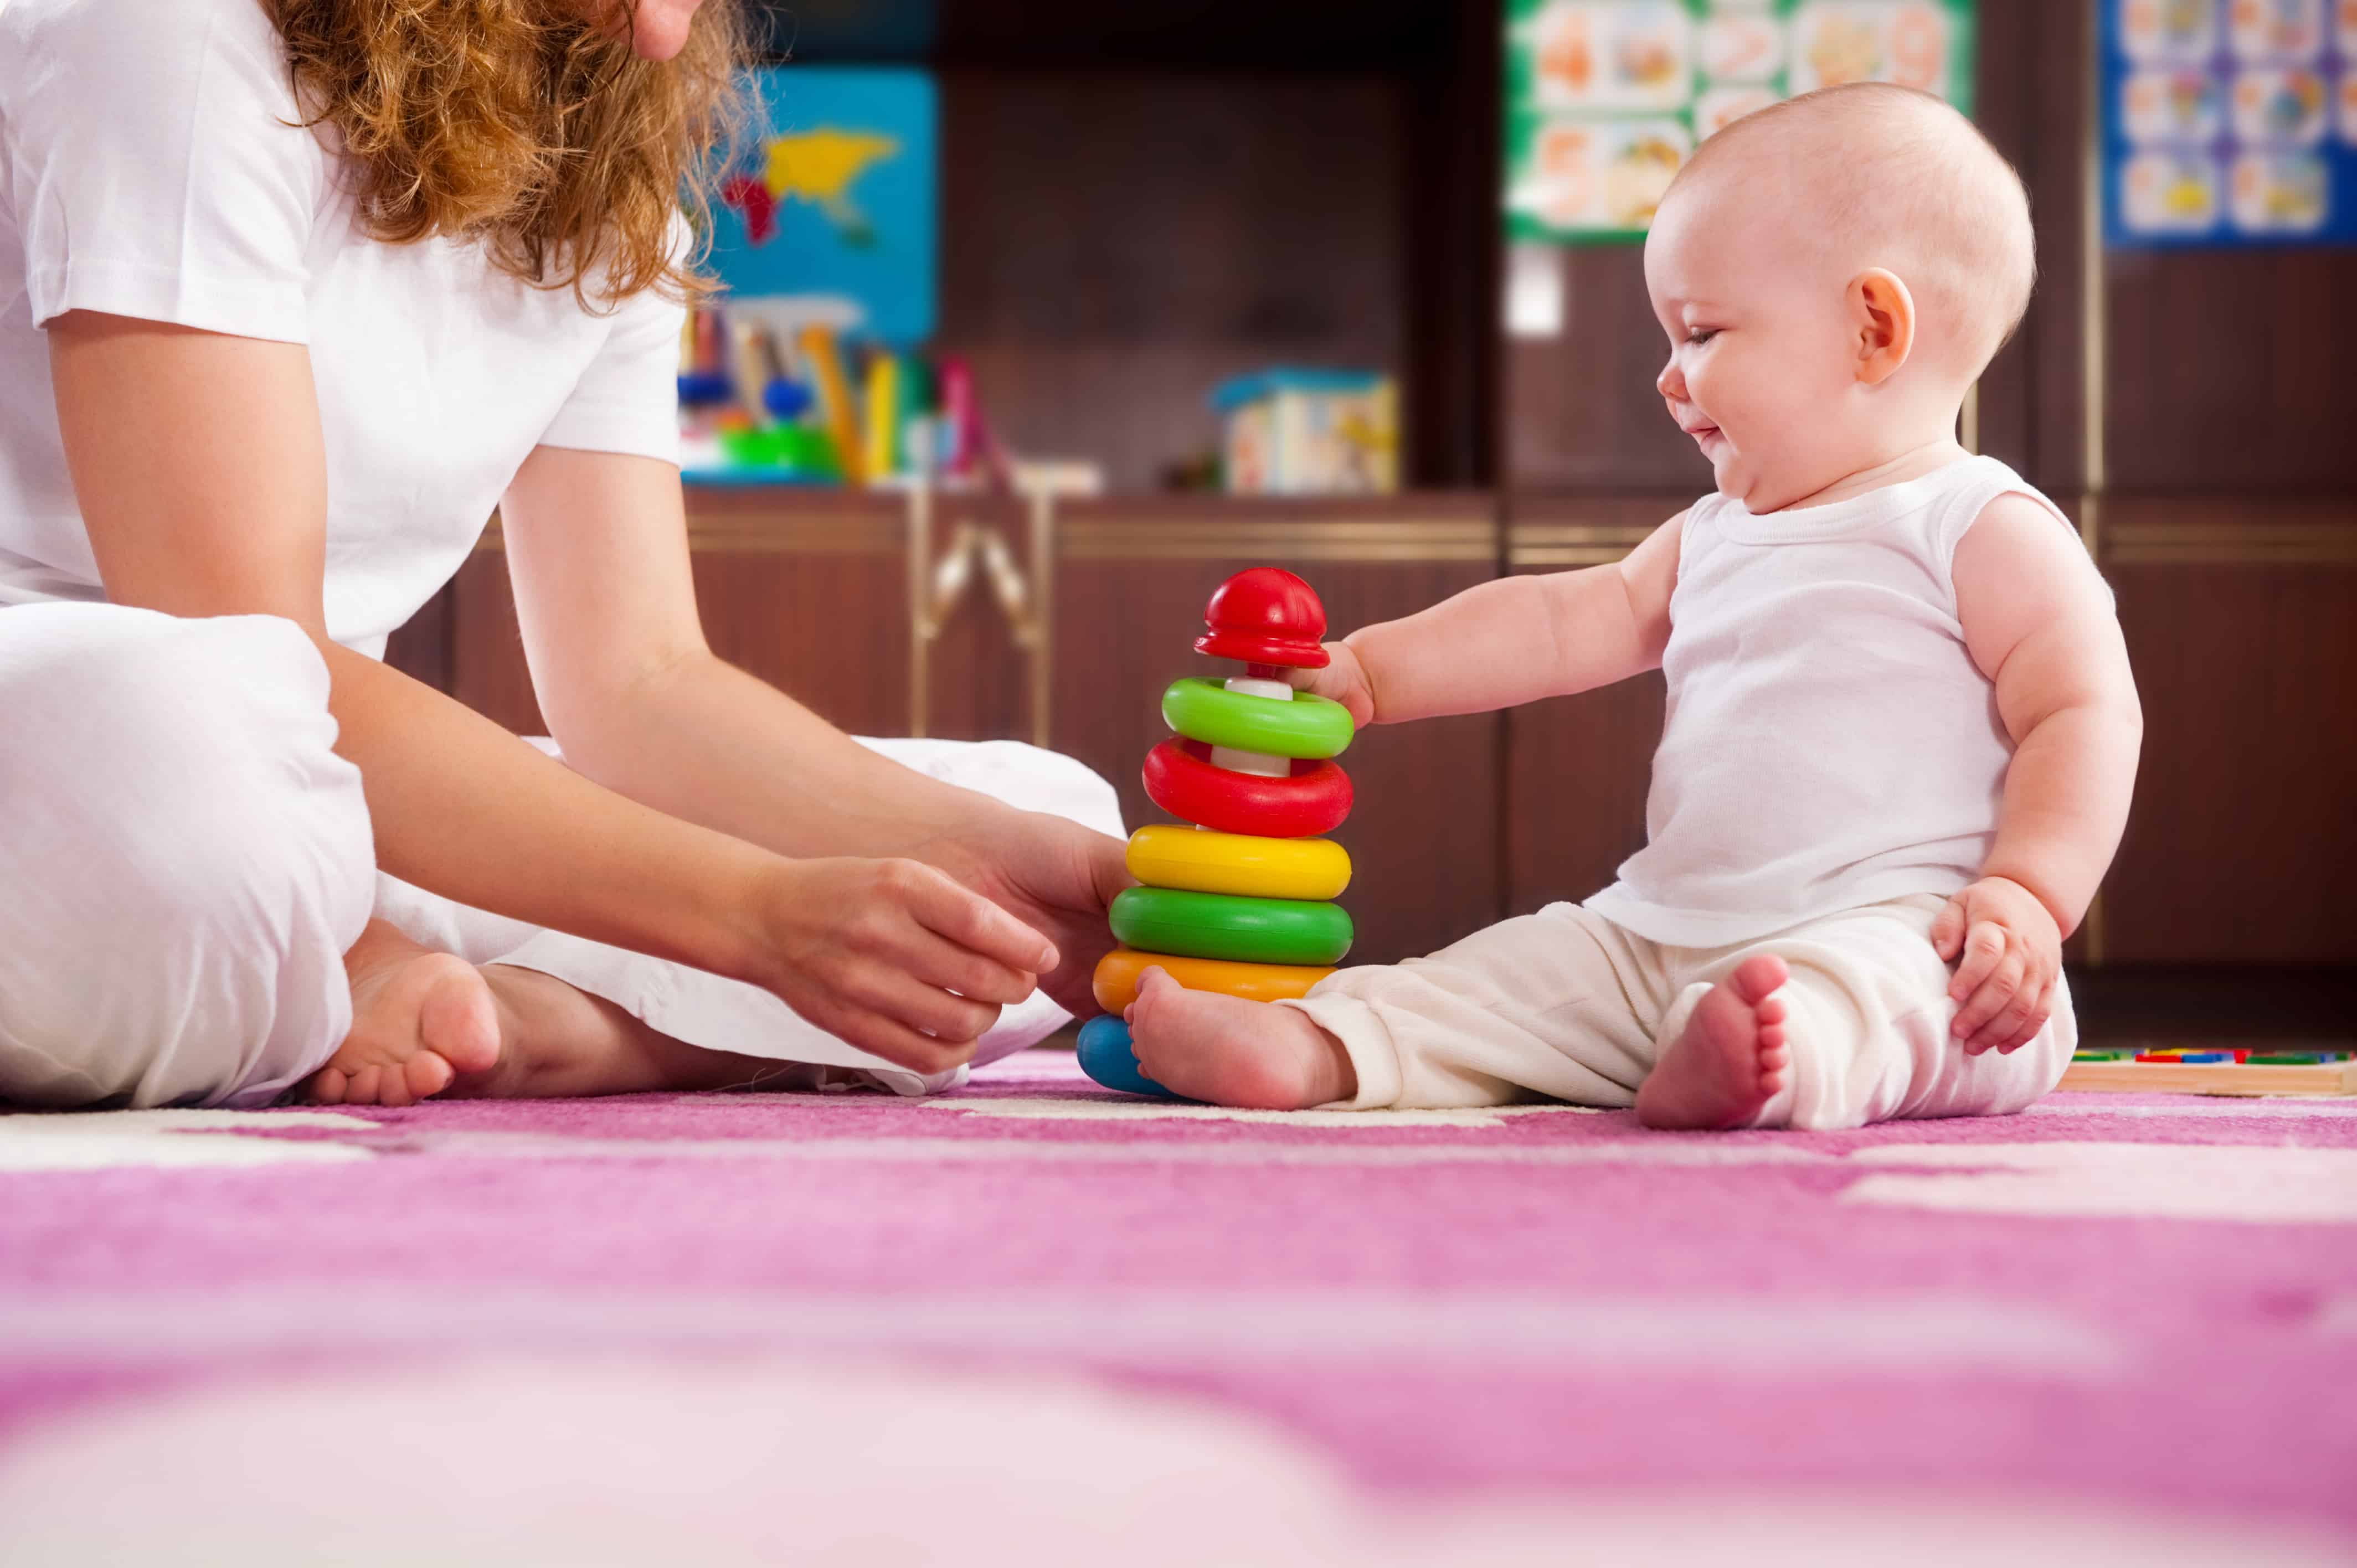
{"x": 519, "y": 124}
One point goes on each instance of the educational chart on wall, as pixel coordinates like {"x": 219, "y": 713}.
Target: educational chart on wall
{"x": 2229, "y": 121}
{"x": 1605, "y": 99}
{"x": 835, "y": 199}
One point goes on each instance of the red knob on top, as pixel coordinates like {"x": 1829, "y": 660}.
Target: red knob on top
{"x": 1266, "y": 615}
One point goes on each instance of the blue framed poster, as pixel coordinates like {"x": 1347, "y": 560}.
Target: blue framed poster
{"x": 2229, "y": 122}
{"x": 835, "y": 197}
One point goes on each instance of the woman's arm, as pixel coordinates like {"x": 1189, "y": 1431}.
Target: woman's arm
{"x": 596, "y": 546}
{"x": 198, "y": 463}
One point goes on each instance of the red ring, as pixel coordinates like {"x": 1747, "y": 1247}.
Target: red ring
{"x": 1254, "y": 648}
{"x": 1181, "y": 779}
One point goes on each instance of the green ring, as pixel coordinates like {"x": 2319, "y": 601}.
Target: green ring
{"x": 1221, "y": 925}
{"x": 1309, "y": 726}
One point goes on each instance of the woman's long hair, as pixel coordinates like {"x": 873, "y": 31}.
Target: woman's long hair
{"x": 516, "y": 123}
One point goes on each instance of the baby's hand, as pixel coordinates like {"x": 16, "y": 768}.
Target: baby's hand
{"x": 2011, "y": 952}
{"x": 1344, "y": 680}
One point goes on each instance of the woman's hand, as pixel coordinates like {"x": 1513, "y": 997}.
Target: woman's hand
{"x": 1055, "y": 876}
{"x": 1344, "y": 680}
{"x": 872, "y": 950}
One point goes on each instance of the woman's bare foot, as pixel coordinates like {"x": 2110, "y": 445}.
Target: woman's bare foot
{"x": 420, "y": 1018}
{"x": 1228, "y": 1051}
{"x": 1732, "y": 1058}
{"x": 428, "y": 1023}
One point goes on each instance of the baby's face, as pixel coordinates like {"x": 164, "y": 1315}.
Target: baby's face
{"x": 1761, "y": 360}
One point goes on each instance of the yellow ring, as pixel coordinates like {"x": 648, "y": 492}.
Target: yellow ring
{"x": 1202, "y": 861}
{"x": 1116, "y": 982}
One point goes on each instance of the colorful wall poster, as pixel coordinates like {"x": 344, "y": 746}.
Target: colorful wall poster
{"x": 835, "y": 198}
{"x": 2229, "y": 122}
{"x": 1605, "y": 99}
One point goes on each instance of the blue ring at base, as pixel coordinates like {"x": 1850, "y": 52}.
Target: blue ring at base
{"x": 1106, "y": 1056}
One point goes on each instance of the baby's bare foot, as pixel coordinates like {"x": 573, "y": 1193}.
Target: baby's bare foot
{"x": 420, "y": 1018}
{"x": 1228, "y": 1051}
{"x": 1732, "y": 1058}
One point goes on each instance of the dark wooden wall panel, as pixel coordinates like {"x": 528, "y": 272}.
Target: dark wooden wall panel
{"x": 2229, "y": 371}
{"x": 2241, "y": 845}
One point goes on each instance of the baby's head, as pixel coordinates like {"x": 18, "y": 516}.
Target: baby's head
{"x": 1834, "y": 271}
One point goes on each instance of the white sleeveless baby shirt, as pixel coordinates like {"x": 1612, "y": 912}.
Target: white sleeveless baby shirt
{"x": 1829, "y": 741}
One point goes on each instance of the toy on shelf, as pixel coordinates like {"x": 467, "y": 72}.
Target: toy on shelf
{"x": 2197, "y": 1070}
{"x": 1241, "y": 902}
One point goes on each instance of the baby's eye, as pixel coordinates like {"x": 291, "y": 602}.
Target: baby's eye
{"x": 1701, "y": 334}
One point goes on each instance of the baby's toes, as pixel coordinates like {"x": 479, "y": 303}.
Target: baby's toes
{"x": 327, "y": 1086}
{"x": 362, "y": 1088}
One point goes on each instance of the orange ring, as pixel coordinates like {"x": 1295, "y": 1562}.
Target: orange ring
{"x": 1115, "y": 981}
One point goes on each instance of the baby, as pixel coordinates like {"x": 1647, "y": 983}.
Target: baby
{"x": 1901, "y": 731}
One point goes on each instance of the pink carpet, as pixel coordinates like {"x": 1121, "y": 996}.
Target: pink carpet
{"x": 2145, "y": 1304}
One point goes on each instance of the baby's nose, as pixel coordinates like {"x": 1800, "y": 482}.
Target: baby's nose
{"x": 1671, "y": 383}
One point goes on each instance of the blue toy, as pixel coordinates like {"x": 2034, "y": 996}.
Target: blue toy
{"x": 1106, "y": 1056}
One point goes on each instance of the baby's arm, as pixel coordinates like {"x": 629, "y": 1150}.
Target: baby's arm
{"x": 2039, "y": 622}
{"x": 1512, "y": 640}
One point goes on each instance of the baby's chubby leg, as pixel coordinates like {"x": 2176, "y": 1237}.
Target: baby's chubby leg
{"x": 1865, "y": 1023}
{"x": 1561, "y": 1004}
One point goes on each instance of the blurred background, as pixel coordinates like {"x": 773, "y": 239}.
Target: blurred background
{"x": 1046, "y": 316}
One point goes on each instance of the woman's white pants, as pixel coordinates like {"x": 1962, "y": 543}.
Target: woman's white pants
{"x": 184, "y": 860}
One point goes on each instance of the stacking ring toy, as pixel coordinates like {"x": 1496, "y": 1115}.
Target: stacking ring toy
{"x": 1116, "y": 982}
{"x": 1108, "y": 1056}
{"x": 1181, "y": 779}
{"x": 1307, "y": 725}
{"x": 1219, "y": 925}
{"x": 1206, "y": 862}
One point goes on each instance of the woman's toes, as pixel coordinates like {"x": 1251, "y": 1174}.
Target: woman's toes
{"x": 427, "y": 1075}
{"x": 459, "y": 1022}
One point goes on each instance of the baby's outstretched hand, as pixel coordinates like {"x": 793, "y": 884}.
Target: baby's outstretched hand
{"x": 2010, "y": 951}
{"x": 1344, "y": 680}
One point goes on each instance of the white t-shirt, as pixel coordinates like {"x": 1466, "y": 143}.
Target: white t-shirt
{"x": 1829, "y": 742}
{"x": 150, "y": 166}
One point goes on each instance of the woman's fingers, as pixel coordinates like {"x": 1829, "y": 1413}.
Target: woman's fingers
{"x": 951, "y": 968}
{"x": 969, "y": 919}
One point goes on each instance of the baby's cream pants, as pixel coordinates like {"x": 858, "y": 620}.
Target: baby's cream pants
{"x": 1566, "y": 1005}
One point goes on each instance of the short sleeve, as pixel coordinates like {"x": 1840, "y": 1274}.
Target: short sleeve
{"x": 628, "y": 398}
{"x": 153, "y": 162}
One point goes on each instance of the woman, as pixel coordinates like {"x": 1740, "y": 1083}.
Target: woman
{"x": 291, "y": 293}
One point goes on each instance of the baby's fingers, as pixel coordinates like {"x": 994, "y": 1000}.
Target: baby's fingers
{"x": 2031, "y": 1024}
{"x": 1986, "y": 1003}
{"x": 1984, "y": 950}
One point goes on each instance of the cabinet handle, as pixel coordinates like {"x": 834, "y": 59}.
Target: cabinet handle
{"x": 936, "y": 589}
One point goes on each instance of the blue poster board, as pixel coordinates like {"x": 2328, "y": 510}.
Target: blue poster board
{"x": 2229, "y": 122}
{"x": 835, "y": 196}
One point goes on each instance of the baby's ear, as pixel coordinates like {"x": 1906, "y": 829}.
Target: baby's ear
{"x": 1882, "y": 316}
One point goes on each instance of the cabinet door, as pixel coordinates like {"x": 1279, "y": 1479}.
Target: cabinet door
{"x": 1130, "y": 585}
